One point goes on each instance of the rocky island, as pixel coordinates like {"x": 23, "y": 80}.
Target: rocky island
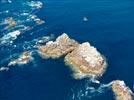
{"x": 83, "y": 58}
{"x": 24, "y": 58}
{"x": 86, "y": 61}
{"x": 58, "y": 48}
{"x": 121, "y": 91}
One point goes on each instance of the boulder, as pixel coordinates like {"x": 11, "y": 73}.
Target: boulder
{"x": 86, "y": 61}
{"x": 58, "y": 48}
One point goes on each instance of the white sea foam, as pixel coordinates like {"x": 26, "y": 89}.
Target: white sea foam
{"x": 88, "y": 91}
{"x": 4, "y": 69}
{"x": 5, "y": 1}
{"x": 33, "y": 45}
{"x": 24, "y": 14}
{"x": 10, "y": 37}
{"x": 35, "y": 4}
{"x": 95, "y": 81}
{"x": 85, "y": 19}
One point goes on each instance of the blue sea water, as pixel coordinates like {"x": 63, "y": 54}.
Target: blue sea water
{"x": 110, "y": 28}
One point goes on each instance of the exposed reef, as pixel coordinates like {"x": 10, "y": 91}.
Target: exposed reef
{"x": 83, "y": 58}
{"x": 10, "y": 22}
{"x": 58, "y": 48}
{"x": 35, "y": 4}
{"x": 86, "y": 61}
{"x": 24, "y": 58}
{"x": 121, "y": 91}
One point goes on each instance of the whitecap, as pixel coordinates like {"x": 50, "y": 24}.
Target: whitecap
{"x": 88, "y": 91}
{"x": 9, "y": 1}
{"x": 95, "y": 81}
{"x": 10, "y": 37}
{"x": 85, "y": 19}
{"x": 35, "y": 4}
{"x": 4, "y": 69}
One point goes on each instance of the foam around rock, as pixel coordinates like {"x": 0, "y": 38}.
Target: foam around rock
{"x": 121, "y": 91}
{"x": 86, "y": 61}
{"x": 58, "y": 48}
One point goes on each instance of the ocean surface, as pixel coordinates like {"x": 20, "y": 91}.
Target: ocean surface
{"x": 106, "y": 24}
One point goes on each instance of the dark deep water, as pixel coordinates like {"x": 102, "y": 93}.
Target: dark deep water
{"x": 110, "y": 28}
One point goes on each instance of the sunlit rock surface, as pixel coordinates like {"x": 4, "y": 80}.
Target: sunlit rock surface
{"x": 121, "y": 91}
{"x": 10, "y": 22}
{"x": 58, "y": 48}
{"x": 24, "y": 58}
{"x": 86, "y": 61}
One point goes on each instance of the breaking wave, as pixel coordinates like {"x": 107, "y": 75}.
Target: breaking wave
{"x": 88, "y": 90}
{"x": 18, "y": 20}
{"x": 15, "y": 23}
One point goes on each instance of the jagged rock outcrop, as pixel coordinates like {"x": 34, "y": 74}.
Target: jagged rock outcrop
{"x": 58, "y": 48}
{"x": 121, "y": 91}
{"x": 86, "y": 61}
{"x": 24, "y": 58}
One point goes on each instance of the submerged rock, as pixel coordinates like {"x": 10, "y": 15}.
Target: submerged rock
{"x": 39, "y": 21}
{"x": 58, "y": 48}
{"x": 85, "y": 19}
{"x": 24, "y": 58}
{"x": 10, "y": 22}
{"x": 86, "y": 61}
{"x": 121, "y": 91}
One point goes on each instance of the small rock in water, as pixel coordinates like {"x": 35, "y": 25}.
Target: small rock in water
{"x": 9, "y": 1}
{"x": 85, "y": 19}
{"x": 45, "y": 39}
{"x": 11, "y": 22}
{"x": 24, "y": 58}
{"x": 39, "y": 21}
{"x": 121, "y": 91}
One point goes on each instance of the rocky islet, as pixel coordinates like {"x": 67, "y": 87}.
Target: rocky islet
{"x": 84, "y": 59}
{"x": 58, "y": 48}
